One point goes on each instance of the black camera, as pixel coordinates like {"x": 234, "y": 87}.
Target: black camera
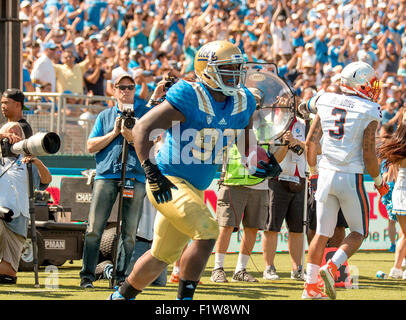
{"x": 128, "y": 117}
{"x": 297, "y": 149}
{"x": 5, "y": 146}
{"x": 170, "y": 81}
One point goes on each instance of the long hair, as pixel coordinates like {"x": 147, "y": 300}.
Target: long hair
{"x": 394, "y": 149}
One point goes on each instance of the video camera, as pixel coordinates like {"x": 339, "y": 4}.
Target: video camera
{"x": 40, "y": 144}
{"x": 128, "y": 116}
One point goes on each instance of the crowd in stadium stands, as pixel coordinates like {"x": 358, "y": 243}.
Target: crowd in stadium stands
{"x": 81, "y": 46}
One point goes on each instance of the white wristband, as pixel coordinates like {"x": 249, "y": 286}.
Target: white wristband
{"x": 378, "y": 180}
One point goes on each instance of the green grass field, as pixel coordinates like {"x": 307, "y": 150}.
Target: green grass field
{"x": 368, "y": 287}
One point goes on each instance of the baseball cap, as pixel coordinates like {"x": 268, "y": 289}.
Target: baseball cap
{"x": 122, "y": 76}
{"x": 49, "y": 45}
{"x": 16, "y": 95}
{"x": 40, "y": 26}
{"x": 25, "y": 3}
{"x": 79, "y": 40}
{"x": 390, "y": 100}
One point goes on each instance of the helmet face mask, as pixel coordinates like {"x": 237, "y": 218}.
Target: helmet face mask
{"x": 221, "y": 66}
{"x": 359, "y": 78}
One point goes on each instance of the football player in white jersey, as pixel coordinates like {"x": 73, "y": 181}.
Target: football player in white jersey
{"x": 348, "y": 123}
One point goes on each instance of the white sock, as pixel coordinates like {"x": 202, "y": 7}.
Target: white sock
{"x": 241, "y": 262}
{"x": 312, "y": 273}
{"x": 404, "y": 262}
{"x": 339, "y": 258}
{"x": 219, "y": 260}
{"x": 176, "y": 269}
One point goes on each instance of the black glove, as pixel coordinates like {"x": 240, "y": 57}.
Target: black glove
{"x": 160, "y": 185}
{"x": 6, "y": 214}
{"x": 268, "y": 170}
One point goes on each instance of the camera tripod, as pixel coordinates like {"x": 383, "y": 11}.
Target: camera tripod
{"x": 124, "y": 158}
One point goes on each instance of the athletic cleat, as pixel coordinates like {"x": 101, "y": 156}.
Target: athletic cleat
{"x": 271, "y": 274}
{"x": 174, "y": 278}
{"x": 313, "y": 291}
{"x": 396, "y": 273}
{"x": 116, "y": 295}
{"x": 243, "y": 276}
{"x": 327, "y": 273}
{"x": 218, "y": 275}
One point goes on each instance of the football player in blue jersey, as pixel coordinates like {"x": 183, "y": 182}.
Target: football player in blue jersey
{"x": 201, "y": 120}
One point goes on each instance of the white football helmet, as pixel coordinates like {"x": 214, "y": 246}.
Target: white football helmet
{"x": 211, "y": 57}
{"x": 360, "y": 78}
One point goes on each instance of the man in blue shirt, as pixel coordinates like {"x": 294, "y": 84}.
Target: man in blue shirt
{"x": 106, "y": 140}
{"x": 202, "y": 119}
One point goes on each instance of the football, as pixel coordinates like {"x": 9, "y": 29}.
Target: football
{"x": 255, "y": 155}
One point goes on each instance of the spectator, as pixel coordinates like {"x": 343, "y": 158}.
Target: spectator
{"x": 95, "y": 76}
{"x": 79, "y": 52}
{"x": 106, "y": 141}
{"x": 122, "y": 68}
{"x": 43, "y": 70}
{"x": 69, "y": 75}
{"x": 171, "y": 46}
{"x": 94, "y": 11}
{"x": 75, "y": 9}
{"x": 281, "y": 31}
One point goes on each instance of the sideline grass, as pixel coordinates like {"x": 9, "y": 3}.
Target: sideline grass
{"x": 367, "y": 264}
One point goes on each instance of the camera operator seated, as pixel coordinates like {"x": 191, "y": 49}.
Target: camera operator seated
{"x": 14, "y": 202}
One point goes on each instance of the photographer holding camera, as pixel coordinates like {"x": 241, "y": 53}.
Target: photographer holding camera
{"x": 286, "y": 194}
{"x": 14, "y": 201}
{"x": 106, "y": 139}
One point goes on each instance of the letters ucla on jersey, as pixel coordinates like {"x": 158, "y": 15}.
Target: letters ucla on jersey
{"x": 193, "y": 150}
{"x": 343, "y": 120}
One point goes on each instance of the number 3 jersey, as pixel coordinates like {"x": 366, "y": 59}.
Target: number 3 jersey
{"x": 193, "y": 149}
{"x": 343, "y": 120}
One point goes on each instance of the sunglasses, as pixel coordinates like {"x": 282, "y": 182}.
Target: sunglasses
{"x": 123, "y": 87}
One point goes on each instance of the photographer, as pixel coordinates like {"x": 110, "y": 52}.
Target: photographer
{"x": 14, "y": 203}
{"x": 106, "y": 141}
{"x": 286, "y": 194}
{"x": 12, "y": 106}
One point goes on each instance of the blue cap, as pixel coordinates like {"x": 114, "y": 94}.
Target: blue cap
{"x": 390, "y": 100}
{"x": 67, "y": 44}
{"x": 148, "y": 49}
{"x": 94, "y": 36}
{"x": 49, "y": 45}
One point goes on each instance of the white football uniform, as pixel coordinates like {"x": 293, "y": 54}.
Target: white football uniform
{"x": 343, "y": 120}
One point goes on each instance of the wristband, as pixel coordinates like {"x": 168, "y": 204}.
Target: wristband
{"x": 313, "y": 170}
{"x": 378, "y": 180}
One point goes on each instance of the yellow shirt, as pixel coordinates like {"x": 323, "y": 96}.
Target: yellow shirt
{"x": 70, "y": 78}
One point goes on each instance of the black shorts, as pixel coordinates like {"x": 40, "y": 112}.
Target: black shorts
{"x": 284, "y": 205}
{"x": 312, "y": 219}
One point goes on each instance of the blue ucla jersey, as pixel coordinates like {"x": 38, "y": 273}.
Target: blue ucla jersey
{"x": 193, "y": 149}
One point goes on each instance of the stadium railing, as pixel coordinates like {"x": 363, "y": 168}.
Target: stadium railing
{"x": 58, "y": 112}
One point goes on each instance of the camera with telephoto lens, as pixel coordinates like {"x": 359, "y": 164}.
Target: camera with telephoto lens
{"x": 128, "y": 116}
{"x": 40, "y": 144}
